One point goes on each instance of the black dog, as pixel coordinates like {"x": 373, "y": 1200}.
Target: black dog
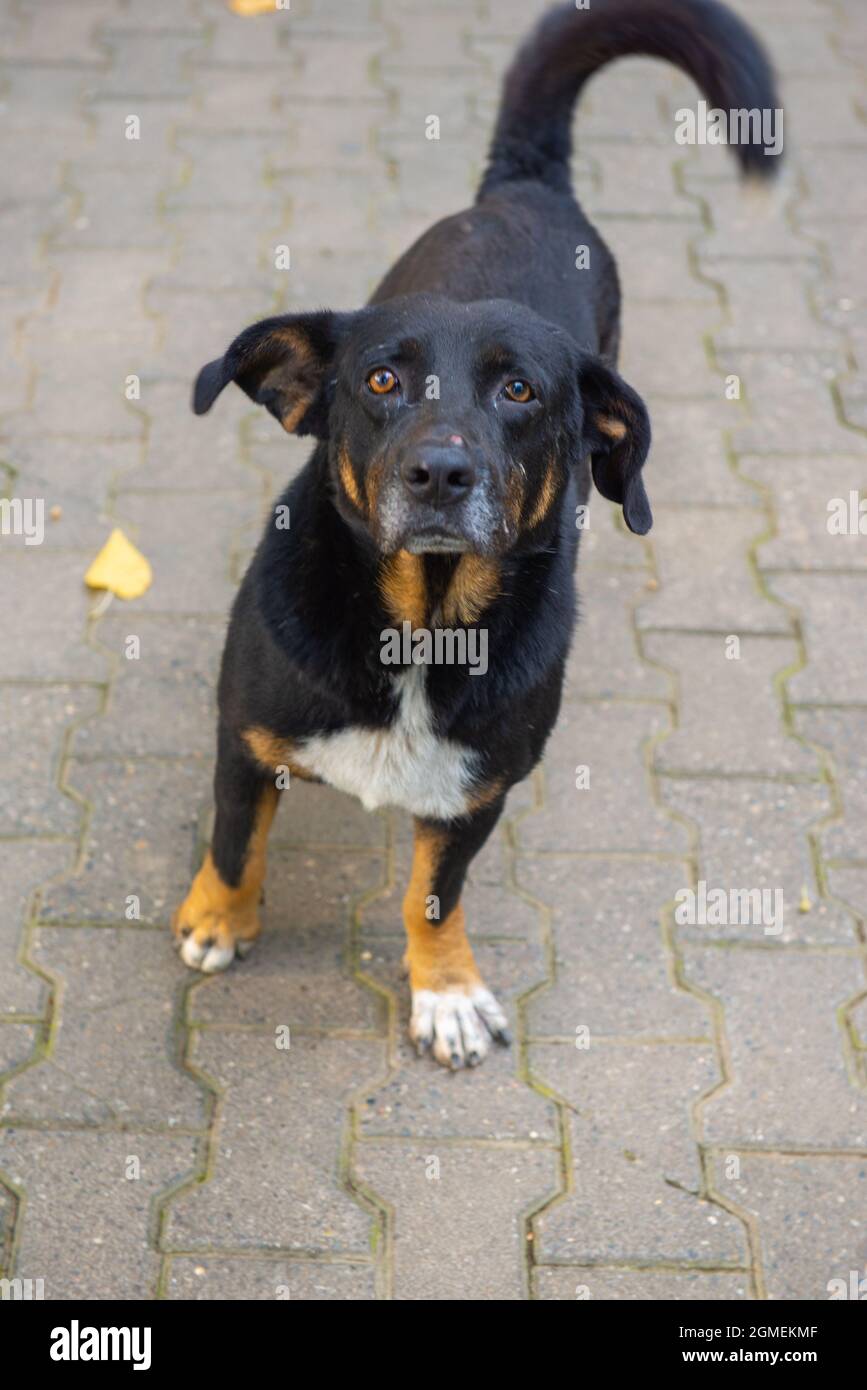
{"x": 460, "y": 416}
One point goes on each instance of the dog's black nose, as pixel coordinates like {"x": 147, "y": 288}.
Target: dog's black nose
{"x": 438, "y": 473}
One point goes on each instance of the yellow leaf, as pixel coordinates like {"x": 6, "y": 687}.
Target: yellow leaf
{"x": 120, "y": 568}
{"x": 251, "y": 7}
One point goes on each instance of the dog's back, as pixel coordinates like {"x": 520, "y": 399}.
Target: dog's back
{"x": 520, "y": 240}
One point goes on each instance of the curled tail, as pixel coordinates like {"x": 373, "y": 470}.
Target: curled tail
{"x": 533, "y": 139}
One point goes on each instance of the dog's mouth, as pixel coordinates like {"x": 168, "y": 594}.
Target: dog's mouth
{"x": 431, "y": 542}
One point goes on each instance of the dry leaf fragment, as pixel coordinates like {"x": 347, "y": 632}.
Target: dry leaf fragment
{"x": 120, "y": 568}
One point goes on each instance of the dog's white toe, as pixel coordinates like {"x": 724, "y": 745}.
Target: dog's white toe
{"x": 457, "y": 1027}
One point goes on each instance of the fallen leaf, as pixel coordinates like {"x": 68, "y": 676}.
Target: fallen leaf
{"x": 247, "y": 8}
{"x": 120, "y": 568}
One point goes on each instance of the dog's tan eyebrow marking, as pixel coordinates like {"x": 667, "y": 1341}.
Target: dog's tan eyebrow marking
{"x": 610, "y": 425}
{"x": 347, "y": 477}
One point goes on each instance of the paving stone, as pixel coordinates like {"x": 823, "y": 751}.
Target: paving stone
{"x": 58, "y": 33}
{"x": 41, "y": 634}
{"x": 109, "y": 1063}
{"x": 458, "y": 1228}
{"x": 810, "y": 1218}
{"x": 841, "y": 733}
{"x": 186, "y": 537}
{"x": 24, "y": 867}
{"x": 46, "y": 107}
{"x": 275, "y": 1181}
{"x": 790, "y": 402}
{"x": 729, "y": 711}
{"x": 646, "y": 1285}
{"x": 17, "y": 1041}
{"x": 150, "y": 65}
{"x": 763, "y": 313}
{"x": 314, "y": 1281}
{"x": 251, "y": 158}
{"x": 311, "y": 814}
{"x": 612, "y": 973}
{"x": 300, "y": 973}
{"x": 176, "y": 669}
{"x": 34, "y": 720}
{"x": 804, "y": 507}
{"x": 238, "y": 42}
{"x": 704, "y": 579}
{"x": 140, "y": 840}
{"x": 831, "y": 609}
{"x": 606, "y": 738}
{"x": 781, "y": 1025}
{"x": 652, "y": 256}
{"x": 750, "y": 222}
{"x": 73, "y": 477}
{"x": 688, "y": 462}
{"x": 118, "y": 205}
{"x": 635, "y": 1177}
{"x": 196, "y": 328}
{"x": 86, "y": 1227}
{"x": 239, "y": 256}
{"x": 606, "y": 543}
{"x": 604, "y": 660}
{"x": 850, "y": 884}
{"x": 753, "y": 836}
{"x": 683, "y": 369}
{"x": 640, "y": 176}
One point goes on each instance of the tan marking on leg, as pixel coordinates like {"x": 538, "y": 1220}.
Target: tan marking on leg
{"x": 547, "y": 493}
{"x": 610, "y": 425}
{"x": 403, "y": 589}
{"x": 347, "y": 478}
{"x": 438, "y": 954}
{"x": 483, "y": 796}
{"x": 475, "y": 584}
{"x": 215, "y": 917}
{"x": 272, "y": 752}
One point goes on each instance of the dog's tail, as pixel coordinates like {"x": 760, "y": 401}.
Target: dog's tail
{"x": 532, "y": 138}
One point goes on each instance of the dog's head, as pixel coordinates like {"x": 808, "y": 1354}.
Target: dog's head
{"x": 450, "y": 427}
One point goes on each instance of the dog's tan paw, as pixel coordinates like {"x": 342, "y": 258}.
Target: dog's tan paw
{"x": 214, "y": 924}
{"x": 457, "y": 1025}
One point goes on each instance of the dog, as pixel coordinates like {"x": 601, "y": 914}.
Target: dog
{"x": 459, "y": 418}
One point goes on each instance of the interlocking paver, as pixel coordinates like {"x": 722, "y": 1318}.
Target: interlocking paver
{"x": 810, "y": 1213}
{"x": 343, "y": 1167}
{"x": 635, "y": 1182}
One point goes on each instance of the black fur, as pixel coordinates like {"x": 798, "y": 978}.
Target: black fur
{"x": 303, "y": 650}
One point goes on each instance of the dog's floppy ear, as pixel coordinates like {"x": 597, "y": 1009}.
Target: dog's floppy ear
{"x": 617, "y": 437}
{"x": 282, "y": 364}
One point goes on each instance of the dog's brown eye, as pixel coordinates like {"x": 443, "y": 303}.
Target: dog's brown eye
{"x": 520, "y": 391}
{"x": 382, "y": 381}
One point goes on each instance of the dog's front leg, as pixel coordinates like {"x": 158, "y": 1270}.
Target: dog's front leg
{"x": 219, "y": 917}
{"x": 452, "y": 1011}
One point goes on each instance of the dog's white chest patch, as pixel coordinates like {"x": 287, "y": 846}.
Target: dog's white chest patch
{"x": 405, "y": 765}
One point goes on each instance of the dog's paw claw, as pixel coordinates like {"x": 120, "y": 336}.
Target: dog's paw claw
{"x": 456, "y": 1027}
